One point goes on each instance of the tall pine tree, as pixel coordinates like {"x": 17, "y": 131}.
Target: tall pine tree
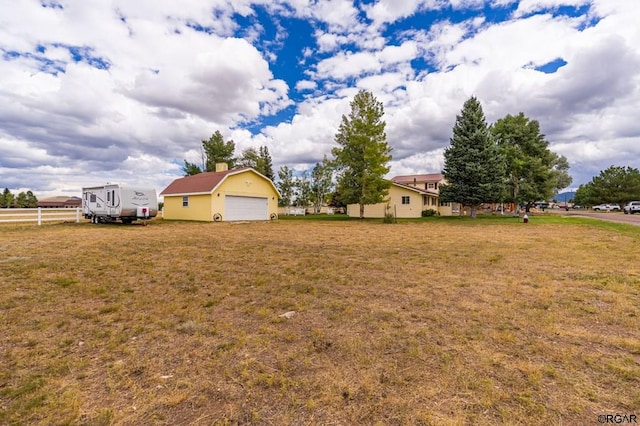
{"x": 473, "y": 166}
{"x": 214, "y": 150}
{"x": 363, "y": 153}
{"x": 266, "y": 162}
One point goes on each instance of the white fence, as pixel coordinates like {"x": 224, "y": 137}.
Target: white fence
{"x": 39, "y": 215}
{"x": 295, "y": 211}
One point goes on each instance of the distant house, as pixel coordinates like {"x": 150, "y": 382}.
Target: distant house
{"x": 61, "y": 202}
{"x": 430, "y": 181}
{"x": 408, "y": 197}
{"x": 223, "y": 195}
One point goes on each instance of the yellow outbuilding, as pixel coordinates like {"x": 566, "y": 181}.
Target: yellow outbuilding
{"x": 224, "y": 195}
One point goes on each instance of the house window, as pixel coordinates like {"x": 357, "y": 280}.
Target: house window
{"x": 430, "y": 186}
{"x": 434, "y": 202}
{"x": 185, "y": 201}
{"x": 406, "y": 199}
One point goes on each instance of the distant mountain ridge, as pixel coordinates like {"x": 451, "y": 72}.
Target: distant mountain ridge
{"x": 564, "y": 197}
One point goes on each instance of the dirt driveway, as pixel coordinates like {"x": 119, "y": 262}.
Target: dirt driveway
{"x": 633, "y": 219}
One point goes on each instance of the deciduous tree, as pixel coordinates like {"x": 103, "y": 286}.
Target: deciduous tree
{"x": 474, "y": 168}
{"x": 302, "y": 190}
{"x": 258, "y": 159}
{"x": 249, "y": 158}
{"x": 362, "y": 154}
{"x": 285, "y": 185}
{"x": 321, "y": 183}
{"x": 533, "y": 172}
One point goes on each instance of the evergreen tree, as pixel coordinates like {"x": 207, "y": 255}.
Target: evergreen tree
{"x": 6, "y": 199}
{"x": 214, "y": 150}
{"x": 363, "y": 153}
{"x": 266, "y": 164}
{"x": 473, "y": 168}
{"x": 190, "y": 169}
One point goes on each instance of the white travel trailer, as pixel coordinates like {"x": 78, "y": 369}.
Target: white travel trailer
{"x": 111, "y": 202}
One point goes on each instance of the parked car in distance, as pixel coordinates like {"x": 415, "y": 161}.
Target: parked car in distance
{"x": 606, "y": 207}
{"x": 632, "y": 207}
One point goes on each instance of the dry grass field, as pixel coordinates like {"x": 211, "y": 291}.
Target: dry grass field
{"x": 432, "y": 322}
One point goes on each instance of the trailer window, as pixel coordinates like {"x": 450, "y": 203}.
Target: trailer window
{"x": 93, "y": 198}
{"x": 185, "y": 201}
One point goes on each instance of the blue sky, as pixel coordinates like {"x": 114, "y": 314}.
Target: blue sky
{"x": 121, "y": 91}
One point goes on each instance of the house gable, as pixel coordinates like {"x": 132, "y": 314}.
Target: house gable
{"x": 424, "y": 181}
{"x": 206, "y": 196}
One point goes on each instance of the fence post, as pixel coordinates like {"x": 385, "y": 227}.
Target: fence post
{"x": 39, "y": 216}
{"x": 77, "y": 214}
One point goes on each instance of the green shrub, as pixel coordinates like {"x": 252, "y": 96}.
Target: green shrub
{"x": 389, "y": 216}
{"x": 429, "y": 212}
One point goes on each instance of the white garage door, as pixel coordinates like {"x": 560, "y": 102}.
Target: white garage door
{"x": 246, "y": 208}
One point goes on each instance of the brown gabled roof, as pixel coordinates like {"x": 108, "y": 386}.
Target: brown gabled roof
{"x": 205, "y": 183}
{"x": 202, "y": 183}
{"x": 432, "y": 177}
{"x": 60, "y": 201}
{"x": 413, "y": 188}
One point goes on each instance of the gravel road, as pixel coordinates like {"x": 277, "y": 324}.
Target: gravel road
{"x": 633, "y": 219}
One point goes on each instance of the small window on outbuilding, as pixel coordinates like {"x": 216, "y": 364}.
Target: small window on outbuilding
{"x": 185, "y": 201}
{"x": 406, "y": 199}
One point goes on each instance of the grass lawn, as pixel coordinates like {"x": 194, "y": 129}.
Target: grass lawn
{"x": 435, "y": 321}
